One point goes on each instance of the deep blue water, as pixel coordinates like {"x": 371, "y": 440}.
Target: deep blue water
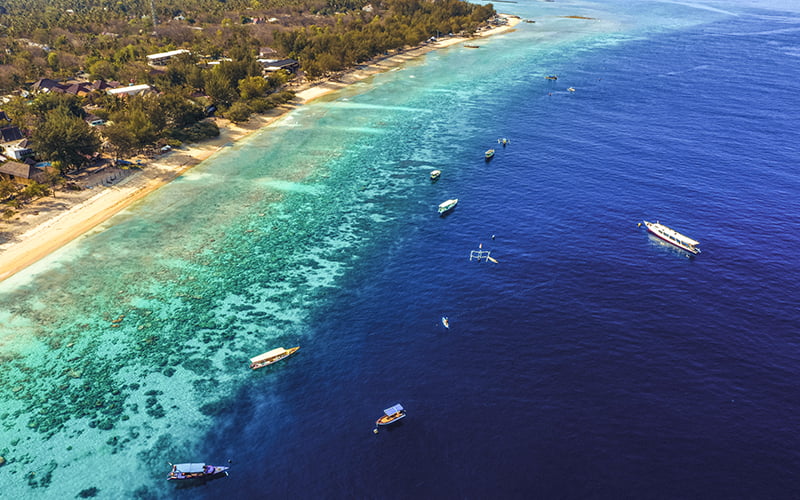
{"x": 591, "y": 361}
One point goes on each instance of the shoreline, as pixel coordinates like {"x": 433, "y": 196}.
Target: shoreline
{"x": 53, "y": 222}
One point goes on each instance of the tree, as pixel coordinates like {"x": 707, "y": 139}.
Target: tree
{"x": 120, "y": 139}
{"x": 131, "y": 130}
{"x": 44, "y": 103}
{"x": 102, "y": 70}
{"x": 64, "y": 137}
{"x": 178, "y": 111}
{"x": 220, "y": 88}
{"x": 34, "y": 190}
{"x": 253, "y": 87}
{"x": 7, "y": 188}
{"x": 239, "y": 112}
{"x": 52, "y": 177}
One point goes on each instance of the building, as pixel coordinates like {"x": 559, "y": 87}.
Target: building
{"x": 163, "y": 58}
{"x": 13, "y": 144}
{"x": 47, "y": 85}
{"x": 21, "y": 173}
{"x": 130, "y": 90}
{"x": 271, "y": 65}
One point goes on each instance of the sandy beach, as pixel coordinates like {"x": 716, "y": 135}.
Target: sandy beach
{"x": 47, "y": 224}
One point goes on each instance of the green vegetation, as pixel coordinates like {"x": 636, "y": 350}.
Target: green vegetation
{"x": 109, "y": 41}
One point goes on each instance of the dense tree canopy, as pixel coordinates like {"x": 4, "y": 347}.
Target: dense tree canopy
{"x": 108, "y": 40}
{"x": 62, "y": 136}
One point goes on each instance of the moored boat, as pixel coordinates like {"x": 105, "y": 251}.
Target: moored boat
{"x": 435, "y": 174}
{"x": 489, "y": 154}
{"x": 272, "y": 356}
{"x": 391, "y": 415}
{"x": 470, "y": 46}
{"x": 447, "y": 205}
{"x": 551, "y": 77}
{"x": 672, "y": 237}
{"x": 195, "y": 470}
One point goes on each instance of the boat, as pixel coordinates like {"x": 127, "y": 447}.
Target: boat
{"x": 195, "y": 471}
{"x": 447, "y": 205}
{"x": 672, "y": 237}
{"x": 446, "y": 322}
{"x": 571, "y": 89}
{"x": 551, "y": 77}
{"x": 489, "y": 154}
{"x": 391, "y": 415}
{"x": 435, "y": 174}
{"x": 272, "y": 356}
{"x": 471, "y": 46}
{"x": 503, "y": 141}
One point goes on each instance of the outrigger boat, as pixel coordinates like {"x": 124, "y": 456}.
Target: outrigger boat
{"x": 672, "y": 237}
{"x": 391, "y": 415}
{"x": 489, "y": 154}
{"x": 272, "y": 356}
{"x": 503, "y": 141}
{"x": 194, "y": 471}
{"x": 435, "y": 174}
{"x": 447, "y": 205}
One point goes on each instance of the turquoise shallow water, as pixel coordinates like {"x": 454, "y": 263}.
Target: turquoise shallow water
{"x": 590, "y": 362}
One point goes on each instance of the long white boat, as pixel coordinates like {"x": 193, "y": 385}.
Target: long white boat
{"x": 447, "y": 205}
{"x": 272, "y": 356}
{"x": 196, "y": 470}
{"x": 672, "y": 237}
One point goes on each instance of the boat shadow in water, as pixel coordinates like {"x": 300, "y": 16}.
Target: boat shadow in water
{"x": 668, "y": 248}
{"x": 397, "y": 424}
{"x": 198, "y": 482}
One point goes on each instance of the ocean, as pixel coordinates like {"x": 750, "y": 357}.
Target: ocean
{"x": 589, "y": 361}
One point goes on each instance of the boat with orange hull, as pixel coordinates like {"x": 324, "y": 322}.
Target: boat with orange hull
{"x": 391, "y": 415}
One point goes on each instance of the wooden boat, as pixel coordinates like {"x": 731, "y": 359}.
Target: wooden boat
{"x": 195, "y": 471}
{"x": 435, "y": 174}
{"x": 447, "y": 205}
{"x": 391, "y": 415}
{"x": 446, "y": 322}
{"x": 471, "y": 46}
{"x": 672, "y": 237}
{"x": 489, "y": 154}
{"x": 551, "y": 77}
{"x": 272, "y": 356}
